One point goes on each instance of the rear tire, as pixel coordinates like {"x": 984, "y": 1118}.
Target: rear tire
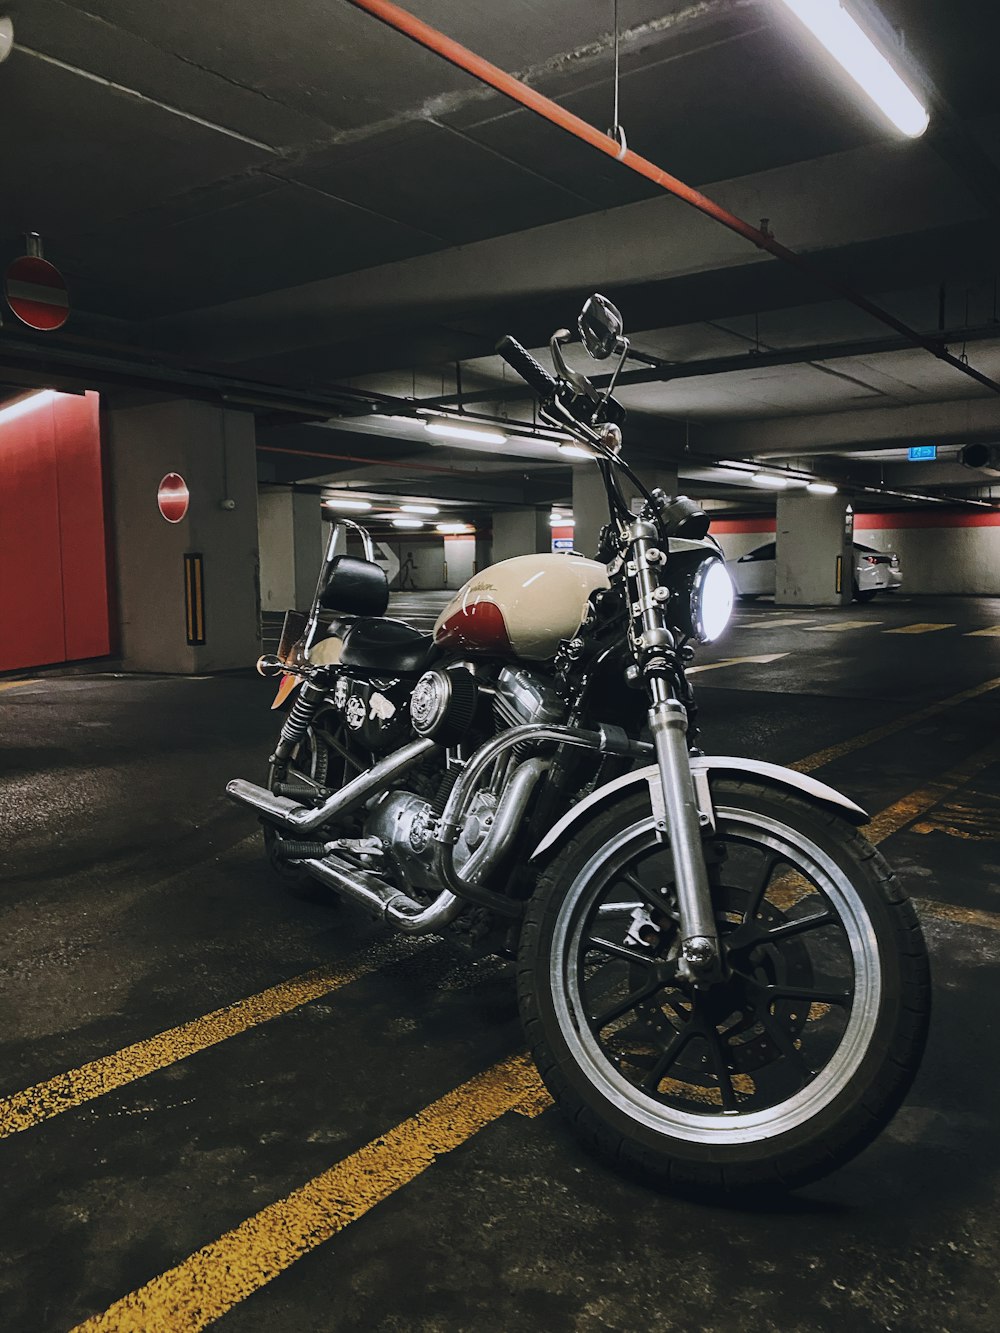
{"x": 773, "y": 1078}
{"x": 866, "y": 596}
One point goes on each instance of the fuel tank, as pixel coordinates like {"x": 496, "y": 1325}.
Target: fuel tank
{"x": 521, "y": 607}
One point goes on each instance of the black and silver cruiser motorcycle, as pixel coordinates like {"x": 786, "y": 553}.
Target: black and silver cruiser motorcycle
{"x": 721, "y": 982}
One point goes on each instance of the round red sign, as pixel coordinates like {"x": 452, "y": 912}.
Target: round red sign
{"x": 36, "y": 293}
{"x": 173, "y": 497}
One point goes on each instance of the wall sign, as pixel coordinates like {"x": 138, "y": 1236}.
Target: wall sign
{"x": 173, "y": 497}
{"x": 922, "y": 453}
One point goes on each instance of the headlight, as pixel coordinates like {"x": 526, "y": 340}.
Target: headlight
{"x": 701, "y": 599}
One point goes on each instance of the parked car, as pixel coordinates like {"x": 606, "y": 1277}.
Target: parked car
{"x": 874, "y": 571}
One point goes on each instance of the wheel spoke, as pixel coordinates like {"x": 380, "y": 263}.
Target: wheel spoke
{"x": 783, "y": 1040}
{"x": 653, "y": 897}
{"x": 760, "y": 887}
{"x": 799, "y": 927}
{"x": 613, "y": 1011}
{"x": 652, "y": 1080}
{"x": 619, "y": 951}
{"x": 811, "y": 993}
{"x": 717, "y": 1048}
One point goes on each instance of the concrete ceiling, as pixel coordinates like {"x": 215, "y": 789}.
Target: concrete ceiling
{"x": 303, "y": 197}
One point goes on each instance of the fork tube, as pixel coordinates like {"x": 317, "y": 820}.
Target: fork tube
{"x": 668, "y": 724}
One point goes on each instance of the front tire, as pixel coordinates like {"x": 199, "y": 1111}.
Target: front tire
{"x": 776, "y": 1076}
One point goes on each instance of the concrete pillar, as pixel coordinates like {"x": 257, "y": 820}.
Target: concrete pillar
{"x": 213, "y": 449}
{"x": 590, "y": 501}
{"x": 309, "y": 537}
{"x": 814, "y": 532}
{"x": 292, "y": 542}
{"x": 520, "y": 532}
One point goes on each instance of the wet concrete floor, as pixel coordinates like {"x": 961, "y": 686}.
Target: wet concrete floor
{"x": 136, "y": 906}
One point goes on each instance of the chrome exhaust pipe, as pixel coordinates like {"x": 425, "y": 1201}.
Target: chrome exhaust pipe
{"x": 383, "y": 901}
{"x": 305, "y": 818}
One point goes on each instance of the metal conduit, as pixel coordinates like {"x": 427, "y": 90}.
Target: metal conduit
{"x": 424, "y": 35}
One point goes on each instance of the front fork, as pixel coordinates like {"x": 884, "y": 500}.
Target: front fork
{"x": 700, "y": 959}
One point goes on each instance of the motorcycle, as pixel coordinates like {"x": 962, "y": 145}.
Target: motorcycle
{"x": 720, "y": 981}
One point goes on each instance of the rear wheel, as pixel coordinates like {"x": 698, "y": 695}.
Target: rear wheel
{"x": 864, "y": 595}
{"x": 776, "y": 1075}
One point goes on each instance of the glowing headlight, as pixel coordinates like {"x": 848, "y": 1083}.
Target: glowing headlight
{"x": 702, "y": 594}
{"x": 711, "y": 600}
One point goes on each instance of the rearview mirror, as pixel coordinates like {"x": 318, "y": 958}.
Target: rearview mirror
{"x": 600, "y": 326}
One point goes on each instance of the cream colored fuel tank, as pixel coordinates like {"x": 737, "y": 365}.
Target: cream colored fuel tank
{"x": 521, "y": 607}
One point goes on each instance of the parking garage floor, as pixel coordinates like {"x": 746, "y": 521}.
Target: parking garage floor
{"x": 221, "y": 1104}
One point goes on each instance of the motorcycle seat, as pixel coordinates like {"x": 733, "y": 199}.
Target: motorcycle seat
{"x": 378, "y": 643}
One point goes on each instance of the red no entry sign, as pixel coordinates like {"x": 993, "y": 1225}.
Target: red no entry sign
{"x": 36, "y": 293}
{"x": 173, "y": 497}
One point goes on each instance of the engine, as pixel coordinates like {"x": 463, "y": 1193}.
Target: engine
{"x": 452, "y": 705}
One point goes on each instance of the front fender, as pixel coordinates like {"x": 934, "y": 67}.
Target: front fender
{"x": 711, "y": 766}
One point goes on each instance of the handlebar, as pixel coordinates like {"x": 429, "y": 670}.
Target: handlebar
{"x": 521, "y": 360}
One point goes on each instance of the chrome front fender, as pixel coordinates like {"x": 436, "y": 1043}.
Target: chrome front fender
{"x": 703, "y": 768}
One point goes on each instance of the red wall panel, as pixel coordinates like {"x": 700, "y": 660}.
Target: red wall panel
{"x": 53, "y": 586}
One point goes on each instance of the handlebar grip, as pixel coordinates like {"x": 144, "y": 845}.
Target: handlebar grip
{"x": 521, "y": 360}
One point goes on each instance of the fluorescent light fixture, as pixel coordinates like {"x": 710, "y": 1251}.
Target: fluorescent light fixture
{"x": 558, "y": 521}
{"x": 453, "y": 527}
{"x": 29, "y": 404}
{"x": 407, "y": 523}
{"x": 451, "y": 430}
{"x": 341, "y": 502}
{"x": 576, "y": 451}
{"x": 852, "y": 48}
{"x": 821, "y": 488}
{"x": 419, "y": 509}
{"x": 770, "y": 480}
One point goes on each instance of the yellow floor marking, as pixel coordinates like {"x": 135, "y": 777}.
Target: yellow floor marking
{"x": 24, "y": 1109}
{"x": 991, "y": 632}
{"x": 779, "y": 624}
{"x": 838, "y": 626}
{"x": 211, "y": 1281}
{"x": 762, "y": 658}
{"x": 827, "y": 756}
{"x": 911, "y": 807}
{"x": 919, "y": 628}
{"x": 963, "y": 916}
{"x": 14, "y": 684}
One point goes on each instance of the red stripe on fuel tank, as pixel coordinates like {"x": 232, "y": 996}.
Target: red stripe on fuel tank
{"x": 477, "y": 628}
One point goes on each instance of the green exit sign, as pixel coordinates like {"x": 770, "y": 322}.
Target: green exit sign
{"x": 922, "y": 453}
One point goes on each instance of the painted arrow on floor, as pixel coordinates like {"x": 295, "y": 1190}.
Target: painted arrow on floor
{"x": 762, "y": 658}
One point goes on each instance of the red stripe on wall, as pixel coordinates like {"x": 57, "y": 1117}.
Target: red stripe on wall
{"x": 742, "y": 525}
{"x": 929, "y": 518}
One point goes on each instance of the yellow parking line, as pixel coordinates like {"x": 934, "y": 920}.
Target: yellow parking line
{"x": 827, "y": 756}
{"x": 920, "y": 627}
{"x": 911, "y": 807}
{"x": 211, "y": 1281}
{"x": 15, "y": 684}
{"x": 838, "y": 626}
{"x": 962, "y": 916}
{"x": 991, "y": 631}
{"x": 24, "y": 1109}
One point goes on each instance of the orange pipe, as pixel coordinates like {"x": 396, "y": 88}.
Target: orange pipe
{"x": 481, "y": 69}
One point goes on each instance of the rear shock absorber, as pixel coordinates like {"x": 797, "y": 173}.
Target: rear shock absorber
{"x": 297, "y": 722}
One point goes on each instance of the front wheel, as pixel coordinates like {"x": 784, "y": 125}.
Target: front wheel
{"x": 774, "y": 1076}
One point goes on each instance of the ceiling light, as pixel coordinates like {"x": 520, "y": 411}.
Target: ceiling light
{"x": 576, "y": 451}
{"x": 821, "y": 488}
{"x": 453, "y": 527}
{"x": 476, "y": 434}
{"x": 853, "y": 49}
{"x": 770, "y": 480}
{"x": 28, "y": 404}
{"x": 419, "y": 509}
{"x": 341, "y": 502}
{"x": 407, "y": 523}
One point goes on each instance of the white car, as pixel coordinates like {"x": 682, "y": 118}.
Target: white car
{"x": 874, "y": 571}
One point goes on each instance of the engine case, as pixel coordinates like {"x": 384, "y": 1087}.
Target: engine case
{"x": 404, "y": 824}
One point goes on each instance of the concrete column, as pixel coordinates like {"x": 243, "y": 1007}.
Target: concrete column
{"x": 520, "y": 532}
{"x": 292, "y": 541}
{"x": 590, "y": 501}
{"x": 813, "y": 533}
{"x": 309, "y": 537}
{"x": 213, "y": 449}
